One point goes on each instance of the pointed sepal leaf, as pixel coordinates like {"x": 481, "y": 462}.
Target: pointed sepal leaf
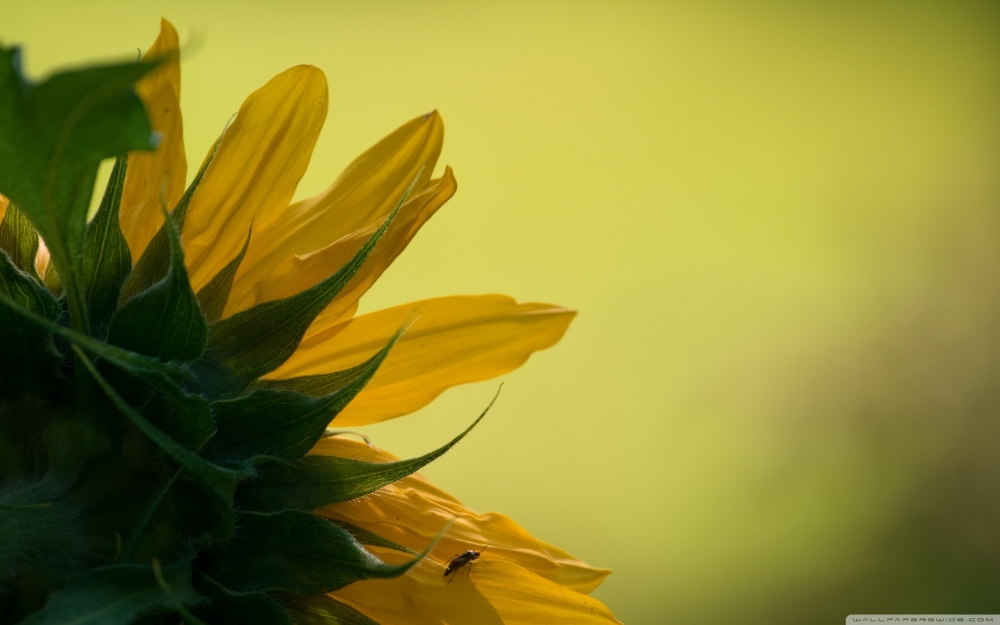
{"x": 107, "y": 260}
{"x": 165, "y": 320}
{"x": 321, "y": 610}
{"x": 283, "y": 424}
{"x": 225, "y": 606}
{"x": 296, "y": 552}
{"x": 53, "y": 136}
{"x": 369, "y": 538}
{"x": 116, "y": 595}
{"x": 213, "y": 296}
{"x": 19, "y": 239}
{"x": 315, "y": 481}
{"x": 254, "y": 342}
{"x": 155, "y": 261}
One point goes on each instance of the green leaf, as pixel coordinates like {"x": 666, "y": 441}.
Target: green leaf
{"x": 226, "y": 606}
{"x": 155, "y": 261}
{"x": 107, "y": 260}
{"x": 53, "y": 136}
{"x": 294, "y": 551}
{"x": 121, "y": 358}
{"x": 19, "y": 239}
{"x": 28, "y": 354}
{"x": 218, "y": 482}
{"x": 315, "y": 481}
{"x": 115, "y": 595}
{"x": 282, "y": 424}
{"x": 165, "y": 320}
{"x": 371, "y": 539}
{"x": 321, "y": 384}
{"x": 256, "y": 341}
{"x": 321, "y": 610}
{"x": 213, "y": 296}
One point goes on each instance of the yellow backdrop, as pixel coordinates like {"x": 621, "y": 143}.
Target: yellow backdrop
{"x": 779, "y": 223}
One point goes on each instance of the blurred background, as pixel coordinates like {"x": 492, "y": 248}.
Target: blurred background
{"x": 780, "y": 223}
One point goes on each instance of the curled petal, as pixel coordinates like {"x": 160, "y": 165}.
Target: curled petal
{"x": 497, "y": 593}
{"x": 161, "y": 173}
{"x": 456, "y": 340}
{"x": 300, "y": 272}
{"x": 412, "y": 511}
{"x": 3, "y": 207}
{"x": 364, "y": 194}
{"x": 253, "y": 176}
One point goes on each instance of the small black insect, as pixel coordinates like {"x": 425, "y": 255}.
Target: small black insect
{"x": 461, "y": 560}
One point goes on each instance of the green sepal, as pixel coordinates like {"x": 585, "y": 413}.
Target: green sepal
{"x": 29, "y": 356}
{"x": 370, "y": 539}
{"x": 30, "y": 516}
{"x": 293, "y": 551}
{"x": 218, "y": 482}
{"x": 155, "y": 261}
{"x": 19, "y": 239}
{"x": 213, "y": 296}
{"x": 164, "y": 320}
{"x": 320, "y": 610}
{"x": 324, "y": 383}
{"x": 185, "y": 417}
{"x": 116, "y": 595}
{"x": 225, "y": 606}
{"x": 53, "y": 136}
{"x": 107, "y": 260}
{"x": 315, "y": 481}
{"x": 122, "y": 358}
{"x": 282, "y": 424}
{"x": 257, "y": 341}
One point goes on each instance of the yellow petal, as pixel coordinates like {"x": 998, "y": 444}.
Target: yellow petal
{"x": 300, "y": 272}
{"x": 3, "y": 207}
{"x": 259, "y": 163}
{"x": 493, "y": 592}
{"x": 456, "y": 340}
{"x": 364, "y": 194}
{"x": 42, "y": 259}
{"x": 163, "y": 172}
{"x": 412, "y": 511}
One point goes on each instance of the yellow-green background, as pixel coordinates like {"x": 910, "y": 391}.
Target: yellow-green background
{"x": 779, "y": 222}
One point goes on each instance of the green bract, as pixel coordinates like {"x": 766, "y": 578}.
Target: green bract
{"x": 147, "y": 473}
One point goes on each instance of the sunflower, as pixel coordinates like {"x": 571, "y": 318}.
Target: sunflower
{"x": 168, "y": 376}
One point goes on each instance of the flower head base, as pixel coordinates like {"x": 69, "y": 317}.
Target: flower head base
{"x": 170, "y": 368}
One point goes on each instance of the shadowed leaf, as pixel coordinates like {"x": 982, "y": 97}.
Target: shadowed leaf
{"x": 53, "y": 136}
{"x": 315, "y": 481}
{"x": 115, "y": 595}
{"x": 106, "y": 257}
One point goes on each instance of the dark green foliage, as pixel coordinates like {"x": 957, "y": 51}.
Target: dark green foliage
{"x": 283, "y": 424}
{"x": 154, "y": 263}
{"x": 315, "y": 481}
{"x": 213, "y": 296}
{"x": 116, "y": 595}
{"x": 132, "y": 432}
{"x": 293, "y": 551}
{"x": 365, "y": 537}
{"x": 254, "y": 342}
{"x": 225, "y": 606}
{"x": 107, "y": 260}
{"x": 164, "y": 320}
{"x": 53, "y": 136}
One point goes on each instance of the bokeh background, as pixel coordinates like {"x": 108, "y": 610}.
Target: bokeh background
{"x": 780, "y": 402}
